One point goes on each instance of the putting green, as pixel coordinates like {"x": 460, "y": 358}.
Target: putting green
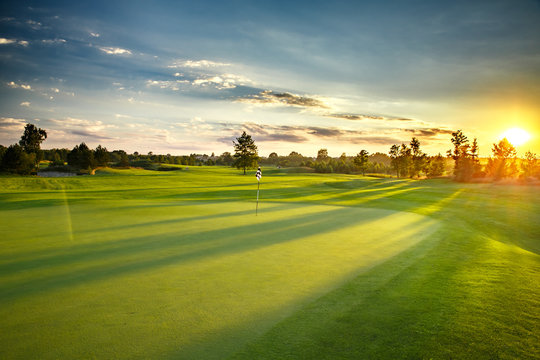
{"x": 155, "y": 279}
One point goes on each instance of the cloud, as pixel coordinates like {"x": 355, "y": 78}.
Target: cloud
{"x": 4, "y": 41}
{"x": 316, "y": 135}
{"x": 115, "y": 51}
{"x": 11, "y": 130}
{"x": 166, "y": 84}
{"x": 14, "y": 85}
{"x": 25, "y": 103}
{"x": 367, "y": 117}
{"x": 197, "y": 64}
{"x": 378, "y": 140}
{"x": 429, "y": 132}
{"x": 83, "y": 127}
{"x": 224, "y": 81}
{"x": 268, "y": 97}
{"x": 96, "y": 35}
{"x": 36, "y": 25}
{"x": 53, "y": 41}
{"x": 12, "y": 124}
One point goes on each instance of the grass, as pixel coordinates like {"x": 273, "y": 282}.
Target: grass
{"x": 143, "y": 264}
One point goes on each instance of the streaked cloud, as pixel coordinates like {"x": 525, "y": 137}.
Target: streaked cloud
{"x": 25, "y": 103}
{"x": 11, "y": 130}
{"x": 174, "y": 85}
{"x": 224, "y": 81}
{"x": 197, "y": 64}
{"x": 269, "y": 97}
{"x": 4, "y": 41}
{"x": 53, "y": 41}
{"x": 97, "y": 130}
{"x": 35, "y": 25}
{"x": 14, "y": 85}
{"x": 115, "y": 51}
{"x": 12, "y": 123}
{"x": 432, "y": 132}
{"x": 367, "y": 117}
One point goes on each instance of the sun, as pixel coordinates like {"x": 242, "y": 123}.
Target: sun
{"x": 516, "y": 136}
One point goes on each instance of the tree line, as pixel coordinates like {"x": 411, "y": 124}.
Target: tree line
{"x": 403, "y": 160}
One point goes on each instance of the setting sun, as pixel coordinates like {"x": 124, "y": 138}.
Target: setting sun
{"x": 516, "y": 136}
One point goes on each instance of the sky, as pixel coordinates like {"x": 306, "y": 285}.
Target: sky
{"x": 181, "y": 77}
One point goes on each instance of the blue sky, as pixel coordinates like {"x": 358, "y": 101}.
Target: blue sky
{"x": 186, "y": 77}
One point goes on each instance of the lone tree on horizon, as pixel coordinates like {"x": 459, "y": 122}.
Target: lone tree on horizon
{"x": 31, "y": 141}
{"x": 245, "y": 152}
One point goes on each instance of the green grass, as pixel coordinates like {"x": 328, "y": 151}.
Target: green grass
{"x": 143, "y": 264}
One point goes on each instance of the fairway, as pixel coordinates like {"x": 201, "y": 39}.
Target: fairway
{"x": 140, "y": 264}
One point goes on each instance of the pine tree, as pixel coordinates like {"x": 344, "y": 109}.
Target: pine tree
{"x": 245, "y": 152}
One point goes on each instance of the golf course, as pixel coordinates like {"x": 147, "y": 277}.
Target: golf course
{"x": 139, "y": 264}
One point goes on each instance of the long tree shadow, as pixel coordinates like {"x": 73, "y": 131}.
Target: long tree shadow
{"x": 133, "y": 254}
{"x": 49, "y": 257}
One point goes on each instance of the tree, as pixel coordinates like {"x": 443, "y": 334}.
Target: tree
{"x": 31, "y": 141}
{"x": 530, "y": 165}
{"x": 435, "y": 166}
{"x": 405, "y": 160}
{"x": 225, "y": 159}
{"x": 503, "y": 164}
{"x": 245, "y": 152}
{"x": 419, "y": 159}
{"x": 463, "y": 162}
{"x": 322, "y": 155}
{"x": 81, "y": 157}
{"x": 273, "y": 158}
{"x": 16, "y": 160}
{"x": 101, "y": 155}
{"x": 361, "y": 160}
{"x": 394, "y": 158}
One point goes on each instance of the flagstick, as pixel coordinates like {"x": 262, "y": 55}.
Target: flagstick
{"x": 257, "y": 208}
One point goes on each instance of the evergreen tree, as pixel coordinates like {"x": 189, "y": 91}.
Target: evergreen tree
{"x": 245, "y": 152}
{"x": 463, "y": 163}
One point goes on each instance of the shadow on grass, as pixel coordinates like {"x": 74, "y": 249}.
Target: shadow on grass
{"x": 286, "y": 332}
{"x": 149, "y": 252}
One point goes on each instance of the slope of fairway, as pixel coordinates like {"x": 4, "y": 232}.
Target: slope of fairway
{"x": 140, "y": 264}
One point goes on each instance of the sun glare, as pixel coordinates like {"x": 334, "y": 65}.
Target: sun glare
{"x": 516, "y": 136}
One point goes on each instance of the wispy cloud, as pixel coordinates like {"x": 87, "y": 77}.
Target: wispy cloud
{"x": 428, "y": 133}
{"x": 115, "y": 51}
{"x": 10, "y": 130}
{"x": 14, "y": 85}
{"x": 25, "y": 103}
{"x": 367, "y": 117}
{"x": 53, "y": 41}
{"x": 225, "y": 81}
{"x": 314, "y": 134}
{"x": 197, "y": 64}
{"x": 268, "y": 97}
{"x": 93, "y": 34}
{"x": 86, "y": 128}
{"x": 35, "y": 25}
{"x": 12, "y": 123}
{"x": 167, "y": 84}
{"x": 4, "y": 41}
